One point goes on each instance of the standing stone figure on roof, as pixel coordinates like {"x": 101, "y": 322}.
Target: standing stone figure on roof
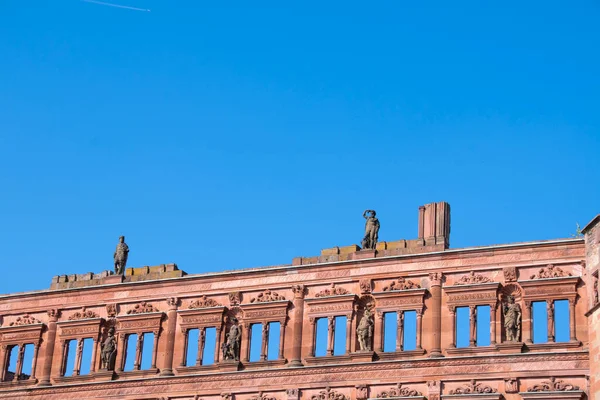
{"x": 364, "y": 331}
{"x": 371, "y": 230}
{"x": 512, "y": 319}
{"x": 231, "y": 347}
{"x": 108, "y": 354}
{"x": 120, "y": 256}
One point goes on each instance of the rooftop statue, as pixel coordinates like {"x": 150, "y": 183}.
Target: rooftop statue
{"x": 371, "y": 230}
{"x": 120, "y": 256}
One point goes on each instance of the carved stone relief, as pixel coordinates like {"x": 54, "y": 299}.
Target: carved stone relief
{"x": 511, "y": 385}
{"x": 362, "y": 392}
{"x": 329, "y": 394}
{"x": 203, "y": 302}
{"x": 365, "y": 286}
{"x": 332, "y": 291}
{"x": 235, "y": 299}
{"x": 473, "y": 278}
{"x": 83, "y": 314}
{"x": 25, "y": 320}
{"x": 550, "y": 271}
{"x": 399, "y": 391}
{"x": 552, "y": 385}
{"x": 401, "y": 284}
{"x": 473, "y": 387}
{"x": 267, "y": 296}
{"x": 142, "y": 308}
{"x": 510, "y": 274}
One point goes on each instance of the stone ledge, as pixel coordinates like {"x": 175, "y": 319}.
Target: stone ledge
{"x": 400, "y": 398}
{"x": 18, "y": 384}
{"x": 398, "y": 355}
{"x": 472, "y": 350}
{"x": 142, "y": 373}
{"x": 554, "y": 346}
{"x": 473, "y": 396}
{"x": 75, "y": 378}
{"x": 327, "y": 360}
{"x": 264, "y": 364}
{"x": 570, "y": 395}
{"x": 196, "y": 368}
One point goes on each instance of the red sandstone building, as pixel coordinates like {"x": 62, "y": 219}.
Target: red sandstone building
{"x": 171, "y": 330}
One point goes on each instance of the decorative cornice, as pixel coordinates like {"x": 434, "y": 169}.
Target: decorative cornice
{"x": 83, "y": 314}
{"x": 553, "y": 385}
{"x": 550, "y": 271}
{"x": 473, "y": 387}
{"x": 267, "y": 296}
{"x": 472, "y": 279}
{"x": 203, "y": 302}
{"x": 332, "y": 291}
{"x": 142, "y": 308}
{"x": 25, "y": 320}
{"x": 399, "y": 391}
{"x": 401, "y": 284}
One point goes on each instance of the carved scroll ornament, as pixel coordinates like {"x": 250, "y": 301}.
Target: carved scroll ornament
{"x": 142, "y": 308}
{"x": 262, "y": 396}
{"x": 550, "y": 271}
{"x": 398, "y": 391}
{"x": 553, "y": 385}
{"x": 25, "y": 320}
{"x": 83, "y": 314}
{"x": 473, "y": 387}
{"x": 401, "y": 284}
{"x": 329, "y": 394}
{"x": 203, "y": 302}
{"x": 332, "y": 291}
{"x": 267, "y": 296}
{"x": 472, "y": 278}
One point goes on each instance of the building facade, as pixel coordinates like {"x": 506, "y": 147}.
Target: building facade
{"x": 411, "y": 319}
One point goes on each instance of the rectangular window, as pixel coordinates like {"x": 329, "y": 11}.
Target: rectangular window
{"x": 86, "y": 356}
{"x": 210, "y": 341}
{"x": 483, "y": 325}
{"x": 463, "y": 326}
{"x": 339, "y": 341}
{"x": 256, "y": 342}
{"x": 27, "y": 362}
{"x": 11, "y": 368}
{"x": 273, "y": 346}
{"x": 147, "y": 350}
{"x": 71, "y": 357}
{"x": 192, "y": 348}
{"x": 131, "y": 352}
{"x": 321, "y": 339}
{"x": 410, "y": 330}
{"x": 390, "y": 324}
{"x": 540, "y": 322}
{"x": 561, "y": 321}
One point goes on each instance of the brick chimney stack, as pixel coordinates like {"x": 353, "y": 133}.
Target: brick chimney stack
{"x": 434, "y": 224}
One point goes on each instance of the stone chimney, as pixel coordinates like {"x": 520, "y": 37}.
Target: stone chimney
{"x": 434, "y": 224}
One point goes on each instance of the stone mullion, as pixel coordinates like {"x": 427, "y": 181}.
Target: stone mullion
{"x": 65, "y": 355}
{"x": 138, "y": 351}
{"x": 349, "y": 330}
{"x": 529, "y": 340}
{"x": 282, "y": 325}
{"x": 330, "y": 334}
{"x": 3, "y": 358}
{"x": 36, "y": 350}
{"x": 550, "y": 307}
{"x": 94, "y": 352}
{"x": 419, "y": 328}
{"x": 572, "y": 320}
{"x": 452, "y": 310}
{"x": 218, "y": 343}
{"x": 245, "y": 345}
{"x": 186, "y": 338}
{"x": 313, "y": 336}
{"x": 201, "y": 343}
{"x": 264, "y": 341}
{"x": 20, "y": 355}
{"x": 379, "y": 331}
{"x": 122, "y": 348}
{"x": 493, "y": 324}
{"x": 473, "y": 325}
{"x": 155, "y": 348}
{"x": 399, "y": 330}
{"x": 78, "y": 357}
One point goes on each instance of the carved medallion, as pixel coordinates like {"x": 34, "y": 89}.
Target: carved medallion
{"x": 511, "y": 385}
{"x": 111, "y": 310}
{"x": 362, "y": 392}
{"x": 365, "y": 286}
{"x": 235, "y": 298}
{"x": 510, "y": 274}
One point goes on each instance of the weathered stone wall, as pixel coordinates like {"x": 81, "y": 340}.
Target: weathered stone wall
{"x": 592, "y": 252}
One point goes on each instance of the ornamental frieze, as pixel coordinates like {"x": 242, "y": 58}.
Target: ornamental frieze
{"x": 399, "y": 391}
{"x": 460, "y": 297}
{"x": 20, "y": 336}
{"x": 267, "y": 296}
{"x": 330, "y": 307}
{"x": 80, "y": 330}
{"x": 83, "y": 314}
{"x": 201, "y": 319}
{"x": 143, "y": 308}
{"x": 472, "y": 278}
{"x": 266, "y": 313}
{"x": 203, "y": 302}
{"x": 550, "y": 271}
{"x": 25, "y": 320}
{"x": 332, "y": 291}
{"x": 553, "y": 385}
{"x": 401, "y": 284}
{"x": 329, "y": 394}
{"x": 473, "y": 387}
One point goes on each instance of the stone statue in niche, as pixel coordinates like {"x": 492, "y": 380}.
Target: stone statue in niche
{"x": 231, "y": 346}
{"x": 120, "y": 256}
{"x": 371, "y": 230}
{"x": 512, "y": 319}
{"x": 364, "y": 331}
{"x": 108, "y": 353}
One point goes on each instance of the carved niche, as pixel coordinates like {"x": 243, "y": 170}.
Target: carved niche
{"x": 329, "y": 394}
{"x": 399, "y": 391}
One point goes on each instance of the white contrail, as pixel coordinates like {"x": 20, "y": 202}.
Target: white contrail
{"x": 116, "y": 5}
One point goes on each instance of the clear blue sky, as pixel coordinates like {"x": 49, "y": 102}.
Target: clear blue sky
{"x": 231, "y": 135}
